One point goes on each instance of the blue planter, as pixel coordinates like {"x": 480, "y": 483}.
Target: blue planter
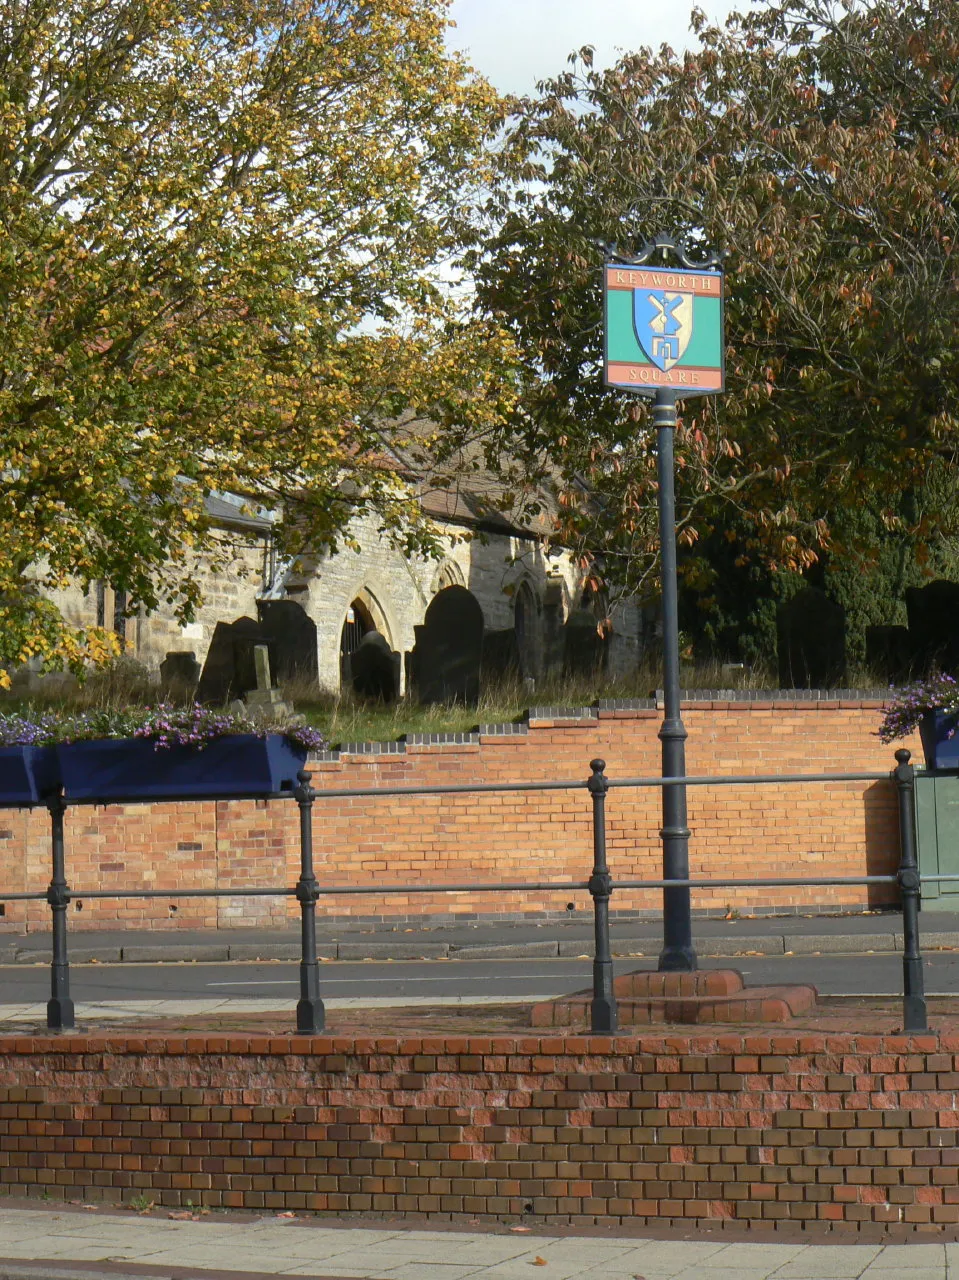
{"x": 131, "y": 769}
{"x": 26, "y": 773}
{"x": 941, "y": 751}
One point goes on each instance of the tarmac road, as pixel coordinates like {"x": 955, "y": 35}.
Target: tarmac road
{"x": 834, "y": 974}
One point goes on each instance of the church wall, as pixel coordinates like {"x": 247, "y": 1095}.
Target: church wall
{"x": 228, "y": 593}
{"x": 396, "y": 588}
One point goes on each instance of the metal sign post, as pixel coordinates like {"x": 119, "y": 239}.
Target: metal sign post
{"x": 664, "y": 340}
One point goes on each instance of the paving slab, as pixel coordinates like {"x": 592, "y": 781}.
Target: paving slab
{"x": 720, "y": 1273}
{"x": 509, "y": 950}
{"x": 48, "y": 1240}
{"x": 267, "y": 950}
{"x": 903, "y": 1256}
{"x": 904, "y": 1269}
{"x": 391, "y": 950}
{"x": 153, "y": 953}
{"x": 829, "y": 1262}
{"x": 738, "y": 944}
{"x": 799, "y": 944}
{"x": 770, "y": 1256}
{"x": 432, "y": 1271}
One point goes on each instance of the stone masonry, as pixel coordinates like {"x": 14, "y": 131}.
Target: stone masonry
{"x": 395, "y": 590}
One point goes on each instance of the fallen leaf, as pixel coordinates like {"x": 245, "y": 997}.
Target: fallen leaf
{"x": 521, "y": 1230}
{"x": 287, "y": 1213}
{"x": 539, "y": 1262}
{"x": 181, "y": 1215}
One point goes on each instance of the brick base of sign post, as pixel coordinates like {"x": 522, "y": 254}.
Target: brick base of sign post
{"x": 699, "y": 998}
{"x": 854, "y": 1132}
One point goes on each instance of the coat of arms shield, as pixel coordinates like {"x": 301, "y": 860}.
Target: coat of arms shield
{"x": 663, "y": 322}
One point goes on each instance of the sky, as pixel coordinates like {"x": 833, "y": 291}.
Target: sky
{"x": 514, "y": 43}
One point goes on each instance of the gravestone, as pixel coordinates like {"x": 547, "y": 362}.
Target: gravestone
{"x": 529, "y": 640}
{"x": 889, "y": 653}
{"x": 229, "y": 670}
{"x": 584, "y": 649}
{"x": 500, "y": 659}
{"x": 811, "y": 641}
{"x": 554, "y": 640}
{"x": 449, "y": 646}
{"x": 291, "y": 634}
{"x": 265, "y": 702}
{"x": 933, "y": 613}
{"x": 375, "y": 669}
{"x": 179, "y": 675}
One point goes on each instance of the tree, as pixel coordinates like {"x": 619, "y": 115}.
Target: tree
{"x": 224, "y": 228}
{"x": 817, "y": 143}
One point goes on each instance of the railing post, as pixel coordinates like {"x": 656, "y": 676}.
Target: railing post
{"x": 310, "y": 1013}
{"x": 59, "y": 1006}
{"x": 603, "y": 1013}
{"x": 913, "y": 998}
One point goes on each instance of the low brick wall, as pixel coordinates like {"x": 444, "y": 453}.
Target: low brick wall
{"x": 754, "y": 1129}
{"x": 841, "y": 829}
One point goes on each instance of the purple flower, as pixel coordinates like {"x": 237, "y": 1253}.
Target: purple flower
{"x": 906, "y": 707}
{"x": 164, "y": 725}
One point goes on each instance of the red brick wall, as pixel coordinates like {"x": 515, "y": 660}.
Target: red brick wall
{"x": 759, "y": 1129}
{"x": 825, "y": 829}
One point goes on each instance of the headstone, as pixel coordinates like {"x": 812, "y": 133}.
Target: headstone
{"x": 500, "y": 656}
{"x": 933, "y": 613}
{"x": 889, "y": 653}
{"x": 375, "y": 669}
{"x": 265, "y": 702}
{"x": 229, "y": 671}
{"x": 291, "y": 634}
{"x": 585, "y": 651}
{"x": 554, "y": 641}
{"x": 179, "y": 675}
{"x": 448, "y": 650}
{"x": 811, "y": 641}
{"x": 526, "y": 622}
{"x": 30, "y": 679}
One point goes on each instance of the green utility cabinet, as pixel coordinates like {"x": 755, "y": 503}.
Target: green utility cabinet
{"x": 937, "y": 834}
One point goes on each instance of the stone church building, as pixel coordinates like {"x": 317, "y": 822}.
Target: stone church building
{"x": 500, "y": 601}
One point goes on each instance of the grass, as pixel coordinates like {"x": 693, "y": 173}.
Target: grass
{"x": 349, "y": 719}
{"x": 346, "y": 718}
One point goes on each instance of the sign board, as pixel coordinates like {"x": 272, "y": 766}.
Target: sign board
{"x": 663, "y": 330}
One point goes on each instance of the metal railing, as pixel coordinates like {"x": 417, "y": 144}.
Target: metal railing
{"x": 310, "y": 1011}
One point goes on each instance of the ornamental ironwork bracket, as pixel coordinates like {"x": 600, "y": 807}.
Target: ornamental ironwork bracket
{"x": 662, "y": 244}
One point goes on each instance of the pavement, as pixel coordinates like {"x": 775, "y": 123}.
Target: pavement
{"x": 854, "y": 934}
{"x": 63, "y": 1243}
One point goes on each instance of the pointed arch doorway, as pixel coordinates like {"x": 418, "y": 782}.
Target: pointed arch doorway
{"x": 369, "y": 667}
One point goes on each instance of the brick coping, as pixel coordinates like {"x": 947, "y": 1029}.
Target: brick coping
{"x": 746, "y": 1044}
{"x": 586, "y": 716}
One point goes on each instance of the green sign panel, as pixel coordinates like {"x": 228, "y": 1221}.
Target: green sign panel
{"x": 664, "y": 329}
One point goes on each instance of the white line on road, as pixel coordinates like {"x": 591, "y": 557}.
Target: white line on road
{"x": 387, "y": 978}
